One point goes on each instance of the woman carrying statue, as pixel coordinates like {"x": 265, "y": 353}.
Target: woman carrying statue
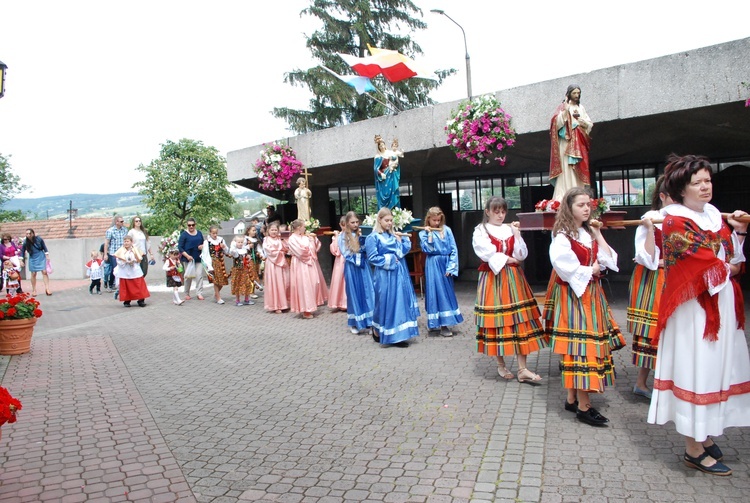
{"x": 387, "y": 174}
{"x": 302, "y": 195}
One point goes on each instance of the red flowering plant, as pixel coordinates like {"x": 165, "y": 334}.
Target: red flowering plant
{"x": 277, "y": 167}
{"x": 599, "y": 207}
{"x": 547, "y": 205}
{"x": 8, "y": 407}
{"x": 19, "y": 307}
{"x": 479, "y": 131}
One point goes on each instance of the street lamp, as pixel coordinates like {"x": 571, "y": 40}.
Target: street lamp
{"x": 466, "y": 49}
{"x": 3, "y": 67}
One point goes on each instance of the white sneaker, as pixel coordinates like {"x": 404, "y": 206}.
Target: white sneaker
{"x": 253, "y": 296}
{"x": 220, "y": 301}
{"x": 179, "y": 302}
{"x": 354, "y": 330}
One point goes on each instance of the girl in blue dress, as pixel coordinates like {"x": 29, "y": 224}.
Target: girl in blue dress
{"x": 360, "y": 296}
{"x": 396, "y": 308}
{"x": 440, "y": 267}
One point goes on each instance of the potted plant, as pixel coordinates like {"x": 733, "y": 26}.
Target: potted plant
{"x": 479, "y": 131}
{"x": 18, "y": 315}
{"x": 277, "y": 167}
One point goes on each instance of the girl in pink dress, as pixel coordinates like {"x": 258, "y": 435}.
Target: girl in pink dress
{"x": 304, "y": 281}
{"x": 276, "y": 297}
{"x": 337, "y": 297}
{"x": 321, "y": 291}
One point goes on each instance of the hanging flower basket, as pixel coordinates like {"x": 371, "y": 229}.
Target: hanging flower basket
{"x": 277, "y": 167}
{"x": 479, "y": 131}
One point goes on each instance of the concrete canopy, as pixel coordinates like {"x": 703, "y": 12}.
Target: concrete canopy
{"x": 690, "y": 102}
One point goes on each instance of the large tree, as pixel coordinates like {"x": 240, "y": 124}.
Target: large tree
{"x": 348, "y": 26}
{"x": 10, "y": 185}
{"x": 187, "y": 180}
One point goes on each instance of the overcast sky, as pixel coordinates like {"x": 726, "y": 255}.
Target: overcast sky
{"x": 94, "y": 87}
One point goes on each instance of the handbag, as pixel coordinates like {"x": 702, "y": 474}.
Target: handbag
{"x": 49, "y": 266}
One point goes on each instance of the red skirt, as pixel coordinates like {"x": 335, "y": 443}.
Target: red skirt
{"x": 133, "y": 289}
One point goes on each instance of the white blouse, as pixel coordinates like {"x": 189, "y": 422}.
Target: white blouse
{"x": 487, "y": 251}
{"x": 566, "y": 263}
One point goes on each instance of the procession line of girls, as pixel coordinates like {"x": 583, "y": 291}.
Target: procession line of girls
{"x": 383, "y": 301}
{"x": 297, "y": 285}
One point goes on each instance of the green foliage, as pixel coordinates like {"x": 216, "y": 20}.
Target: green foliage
{"x": 465, "y": 202}
{"x": 10, "y": 184}
{"x": 12, "y": 216}
{"x": 187, "y": 180}
{"x": 348, "y": 26}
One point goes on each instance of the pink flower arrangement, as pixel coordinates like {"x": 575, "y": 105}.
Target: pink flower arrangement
{"x": 480, "y": 131}
{"x": 277, "y": 167}
{"x": 547, "y": 205}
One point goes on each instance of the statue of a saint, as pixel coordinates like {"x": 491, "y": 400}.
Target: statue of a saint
{"x": 387, "y": 174}
{"x": 570, "y": 128}
{"x": 302, "y": 195}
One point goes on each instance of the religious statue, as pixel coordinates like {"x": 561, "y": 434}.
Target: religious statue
{"x": 570, "y": 128}
{"x": 302, "y": 195}
{"x": 387, "y": 174}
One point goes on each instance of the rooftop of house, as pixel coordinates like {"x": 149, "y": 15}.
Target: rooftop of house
{"x": 60, "y": 229}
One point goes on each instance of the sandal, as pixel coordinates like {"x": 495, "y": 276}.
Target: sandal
{"x": 504, "y": 372}
{"x": 529, "y": 377}
{"x": 717, "y": 468}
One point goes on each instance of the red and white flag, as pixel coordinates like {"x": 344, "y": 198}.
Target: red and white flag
{"x": 393, "y": 65}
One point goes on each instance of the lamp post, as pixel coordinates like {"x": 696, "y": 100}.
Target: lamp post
{"x": 3, "y": 67}
{"x": 466, "y": 49}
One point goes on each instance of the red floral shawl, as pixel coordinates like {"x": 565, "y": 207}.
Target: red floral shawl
{"x": 691, "y": 267}
{"x": 578, "y": 146}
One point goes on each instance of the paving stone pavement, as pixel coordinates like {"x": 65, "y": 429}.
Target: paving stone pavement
{"x": 211, "y": 403}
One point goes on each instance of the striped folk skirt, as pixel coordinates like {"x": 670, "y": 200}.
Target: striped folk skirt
{"x": 642, "y": 314}
{"x": 506, "y": 314}
{"x": 584, "y": 332}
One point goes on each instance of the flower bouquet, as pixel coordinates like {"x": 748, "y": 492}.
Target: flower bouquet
{"x": 599, "y": 207}
{"x": 401, "y": 218}
{"x": 547, "y": 205}
{"x": 480, "y": 130}
{"x": 312, "y": 224}
{"x": 19, "y": 307}
{"x": 8, "y": 407}
{"x": 277, "y": 167}
{"x": 168, "y": 243}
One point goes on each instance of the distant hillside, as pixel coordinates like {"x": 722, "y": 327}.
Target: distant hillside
{"x": 90, "y": 205}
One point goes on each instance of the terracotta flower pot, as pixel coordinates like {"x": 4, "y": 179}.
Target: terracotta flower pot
{"x": 15, "y": 336}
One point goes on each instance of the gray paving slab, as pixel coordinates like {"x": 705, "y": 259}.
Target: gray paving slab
{"x": 214, "y": 403}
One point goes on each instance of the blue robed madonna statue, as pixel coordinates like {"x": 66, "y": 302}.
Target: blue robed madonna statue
{"x": 387, "y": 173}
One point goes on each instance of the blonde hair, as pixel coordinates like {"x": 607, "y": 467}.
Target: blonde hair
{"x": 564, "y": 221}
{"x": 297, "y": 223}
{"x": 435, "y": 212}
{"x": 381, "y": 214}
{"x": 351, "y": 240}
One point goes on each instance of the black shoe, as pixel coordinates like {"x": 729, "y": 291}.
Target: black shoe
{"x": 717, "y": 468}
{"x": 141, "y": 303}
{"x": 591, "y": 417}
{"x": 375, "y": 336}
{"x": 402, "y": 344}
{"x": 714, "y": 451}
{"x": 571, "y": 407}
{"x": 126, "y": 303}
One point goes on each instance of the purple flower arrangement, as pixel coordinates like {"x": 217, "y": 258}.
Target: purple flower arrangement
{"x": 277, "y": 167}
{"x": 480, "y": 131}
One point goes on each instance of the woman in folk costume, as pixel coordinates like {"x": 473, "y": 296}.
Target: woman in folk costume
{"x": 577, "y": 317}
{"x": 396, "y": 308}
{"x": 702, "y": 375}
{"x": 441, "y": 265}
{"x": 276, "y": 276}
{"x": 304, "y": 282}
{"x": 252, "y": 264}
{"x": 321, "y": 291}
{"x": 240, "y": 275}
{"x": 129, "y": 275}
{"x": 646, "y": 286}
{"x": 360, "y": 296}
{"x": 506, "y": 312}
{"x": 337, "y": 292}
{"x": 214, "y": 250}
